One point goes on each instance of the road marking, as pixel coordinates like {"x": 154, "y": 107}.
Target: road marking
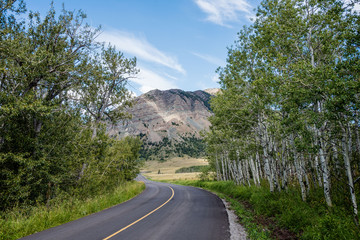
{"x": 172, "y": 195}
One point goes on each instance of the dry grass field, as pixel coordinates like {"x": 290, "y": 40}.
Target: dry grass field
{"x": 168, "y": 168}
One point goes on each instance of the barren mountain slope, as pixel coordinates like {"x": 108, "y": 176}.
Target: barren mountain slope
{"x": 167, "y": 119}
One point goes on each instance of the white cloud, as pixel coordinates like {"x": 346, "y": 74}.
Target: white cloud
{"x": 170, "y": 76}
{"x": 223, "y": 11}
{"x": 356, "y": 5}
{"x": 215, "y": 78}
{"x": 210, "y": 59}
{"x": 148, "y": 80}
{"x": 140, "y": 48}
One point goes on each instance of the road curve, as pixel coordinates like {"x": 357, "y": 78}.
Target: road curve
{"x": 161, "y": 211}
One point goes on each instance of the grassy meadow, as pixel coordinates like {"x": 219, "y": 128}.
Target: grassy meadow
{"x": 165, "y": 170}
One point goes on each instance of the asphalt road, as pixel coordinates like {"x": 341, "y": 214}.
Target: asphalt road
{"x": 162, "y": 211}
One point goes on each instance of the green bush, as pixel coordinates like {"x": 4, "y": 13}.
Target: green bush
{"x": 265, "y": 202}
{"x": 295, "y": 215}
{"x": 191, "y": 169}
{"x": 332, "y": 226}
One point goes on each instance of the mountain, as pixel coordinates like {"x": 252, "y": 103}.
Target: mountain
{"x": 212, "y": 91}
{"x": 169, "y": 122}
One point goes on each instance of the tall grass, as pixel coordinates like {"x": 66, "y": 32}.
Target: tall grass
{"x": 20, "y": 222}
{"x": 308, "y": 220}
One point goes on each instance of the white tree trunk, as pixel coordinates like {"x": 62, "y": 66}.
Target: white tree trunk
{"x": 268, "y": 170}
{"x": 325, "y": 170}
{"x": 299, "y": 175}
{"x": 218, "y": 174}
{"x": 241, "y": 175}
{"x": 322, "y": 155}
{"x": 267, "y": 167}
{"x": 346, "y": 147}
{"x": 254, "y": 172}
{"x": 304, "y": 173}
{"x": 232, "y": 175}
{"x": 284, "y": 175}
{"x": 258, "y": 165}
{"x": 318, "y": 172}
{"x": 246, "y": 172}
{"x": 224, "y": 177}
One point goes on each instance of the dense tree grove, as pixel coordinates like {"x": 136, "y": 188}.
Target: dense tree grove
{"x": 57, "y": 87}
{"x": 188, "y": 145}
{"x": 288, "y": 111}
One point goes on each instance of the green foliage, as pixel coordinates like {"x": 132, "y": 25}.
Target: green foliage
{"x": 103, "y": 94}
{"x": 246, "y": 218}
{"x": 174, "y": 124}
{"x": 207, "y": 174}
{"x": 52, "y": 78}
{"x": 191, "y": 169}
{"x": 288, "y": 110}
{"x": 33, "y": 166}
{"x": 108, "y": 162}
{"x": 332, "y": 227}
{"x": 124, "y": 158}
{"x": 188, "y": 145}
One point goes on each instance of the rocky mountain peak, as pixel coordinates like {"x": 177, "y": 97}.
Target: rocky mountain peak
{"x": 171, "y": 116}
{"x": 212, "y": 91}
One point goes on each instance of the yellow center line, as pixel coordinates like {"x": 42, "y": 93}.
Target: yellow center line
{"x": 172, "y": 195}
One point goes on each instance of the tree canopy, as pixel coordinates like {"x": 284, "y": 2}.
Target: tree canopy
{"x": 56, "y": 97}
{"x": 288, "y": 111}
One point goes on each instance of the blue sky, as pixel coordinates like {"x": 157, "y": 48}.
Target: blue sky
{"x": 177, "y": 43}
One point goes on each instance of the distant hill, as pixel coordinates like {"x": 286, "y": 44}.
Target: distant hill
{"x": 169, "y": 122}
